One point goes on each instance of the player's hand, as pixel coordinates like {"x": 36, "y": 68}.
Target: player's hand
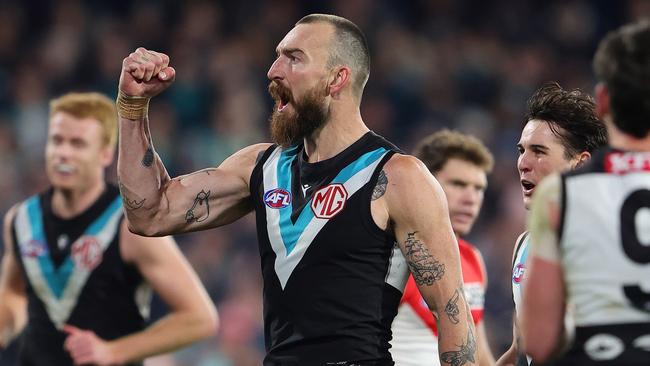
{"x": 146, "y": 73}
{"x": 86, "y": 348}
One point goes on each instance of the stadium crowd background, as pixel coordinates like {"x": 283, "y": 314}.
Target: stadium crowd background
{"x": 468, "y": 65}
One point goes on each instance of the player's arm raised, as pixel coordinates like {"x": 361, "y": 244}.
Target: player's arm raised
{"x": 544, "y": 292}
{"x": 418, "y": 214}
{"x": 156, "y": 204}
{"x": 13, "y": 301}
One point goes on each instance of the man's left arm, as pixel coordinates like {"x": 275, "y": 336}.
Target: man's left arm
{"x": 192, "y": 314}
{"x": 419, "y": 217}
{"x": 542, "y": 323}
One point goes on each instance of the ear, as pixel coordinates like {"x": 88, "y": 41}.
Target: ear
{"x": 339, "y": 80}
{"x": 107, "y": 156}
{"x": 602, "y": 101}
{"x": 581, "y": 159}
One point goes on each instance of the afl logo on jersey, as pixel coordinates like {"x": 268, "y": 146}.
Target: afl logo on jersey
{"x": 518, "y": 273}
{"x": 329, "y": 201}
{"x": 86, "y": 252}
{"x": 277, "y": 198}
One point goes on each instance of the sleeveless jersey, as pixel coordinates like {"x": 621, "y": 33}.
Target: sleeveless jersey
{"x": 517, "y": 279}
{"x": 75, "y": 275}
{"x": 415, "y": 334}
{"x": 605, "y": 256}
{"x": 332, "y": 277}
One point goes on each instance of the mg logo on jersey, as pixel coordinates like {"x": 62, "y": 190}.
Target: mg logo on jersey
{"x": 277, "y": 198}
{"x": 329, "y": 201}
{"x": 86, "y": 252}
{"x": 518, "y": 273}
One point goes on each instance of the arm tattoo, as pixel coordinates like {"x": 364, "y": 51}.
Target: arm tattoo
{"x": 147, "y": 159}
{"x": 425, "y": 269}
{"x": 380, "y": 188}
{"x": 201, "y": 198}
{"x": 451, "y": 309}
{"x": 465, "y": 354}
{"x": 129, "y": 203}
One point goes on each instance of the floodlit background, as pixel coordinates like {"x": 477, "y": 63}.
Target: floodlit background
{"x": 468, "y": 65}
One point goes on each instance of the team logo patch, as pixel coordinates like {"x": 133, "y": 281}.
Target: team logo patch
{"x": 87, "y": 252}
{"x": 33, "y": 249}
{"x": 329, "y": 201}
{"x": 518, "y": 273}
{"x": 277, "y": 198}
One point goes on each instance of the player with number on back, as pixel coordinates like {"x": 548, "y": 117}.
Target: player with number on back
{"x": 590, "y": 229}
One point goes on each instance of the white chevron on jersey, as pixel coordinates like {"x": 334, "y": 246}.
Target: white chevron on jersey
{"x": 281, "y": 230}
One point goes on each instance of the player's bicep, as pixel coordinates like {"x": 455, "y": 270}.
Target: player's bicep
{"x": 420, "y": 219}
{"x": 208, "y": 198}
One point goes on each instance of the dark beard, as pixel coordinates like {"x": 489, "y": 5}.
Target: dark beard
{"x": 309, "y": 115}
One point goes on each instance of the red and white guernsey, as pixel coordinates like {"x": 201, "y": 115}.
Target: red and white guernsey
{"x": 415, "y": 335}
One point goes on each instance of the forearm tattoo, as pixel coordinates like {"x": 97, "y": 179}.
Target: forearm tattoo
{"x": 466, "y": 353}
{"x": 451, "y": 309}
{"x": 380, "y": 187}
{"x": 147, "y": 159}
{"x": 129, "y": 204}
{"x": 201, "y": 199}
{"x": 425, "y": 269}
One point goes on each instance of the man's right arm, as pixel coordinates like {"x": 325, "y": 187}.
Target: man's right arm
{"x": 13, "y": 302}
{"x": 156, "y": 204}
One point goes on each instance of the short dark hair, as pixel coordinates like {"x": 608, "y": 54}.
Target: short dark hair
{"x": 570, "y": 115}
{"x": 436, "y": 149}
{"x": 622, "y": 62}
{"x": 349, "y": 47}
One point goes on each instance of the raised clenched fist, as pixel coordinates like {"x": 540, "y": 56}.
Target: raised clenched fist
{"x": 146, "y": 73}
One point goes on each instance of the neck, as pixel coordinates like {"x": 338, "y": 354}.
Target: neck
{"x": 344, "y": 127}
{"x": 70, "y": 203}
{"x": 626, "y": 142}
{"x": 622, "y": 141}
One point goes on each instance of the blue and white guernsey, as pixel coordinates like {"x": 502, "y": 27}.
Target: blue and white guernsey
{"x": 75, "y": 275}
{"x": 332, "y": 278}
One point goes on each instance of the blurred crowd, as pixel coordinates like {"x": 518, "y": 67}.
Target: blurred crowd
{"x": 463, "y": 64}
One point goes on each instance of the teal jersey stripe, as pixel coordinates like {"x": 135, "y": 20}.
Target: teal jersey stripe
{"x": 100, "y": 223}
{"x": 36, "y": 219}
{"x": 56, "y": 279}
{"x": 291, "y": 232}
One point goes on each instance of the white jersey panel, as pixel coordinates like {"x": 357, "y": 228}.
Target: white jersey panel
{"x": 596, "y": 267}
{"x": 414, "y": 343}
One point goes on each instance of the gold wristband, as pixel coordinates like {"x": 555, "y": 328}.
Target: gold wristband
{"x": 132, "y": 107}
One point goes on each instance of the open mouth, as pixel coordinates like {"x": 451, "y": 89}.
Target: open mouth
{"x": 284, "y": 102}
{"x": 64, "y": 168}
{"x": 281, "y": 95}
{"x": 528, "y": 186}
